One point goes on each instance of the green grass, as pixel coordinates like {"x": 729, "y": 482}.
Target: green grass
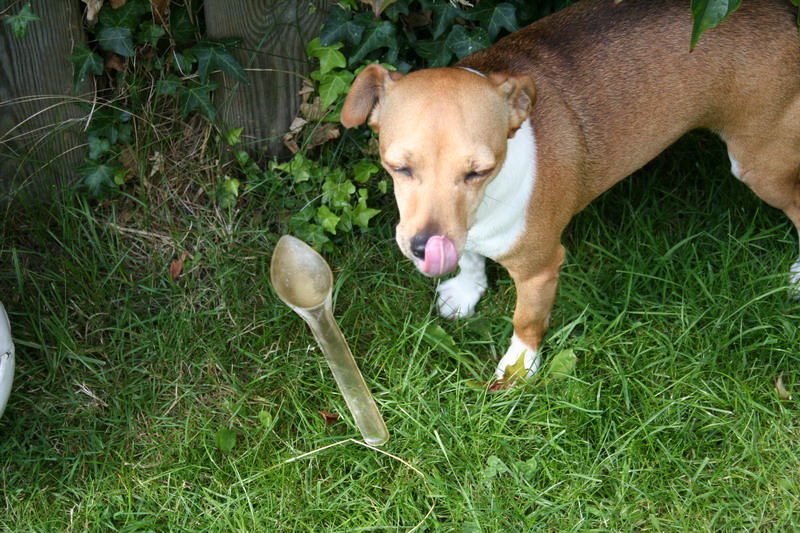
{"x": 673, "y": 297}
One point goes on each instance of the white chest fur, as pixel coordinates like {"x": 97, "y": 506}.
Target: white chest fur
{"x": 500, "y": 219}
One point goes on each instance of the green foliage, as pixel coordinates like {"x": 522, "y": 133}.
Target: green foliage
{"x": 341, "y": 207}
{"x": 19, "y": 22}
{"x": 709, "y": 14}
{"x": 137, "y": 54}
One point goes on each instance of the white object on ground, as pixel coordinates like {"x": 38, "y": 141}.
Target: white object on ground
{"x": 6, "y": 359}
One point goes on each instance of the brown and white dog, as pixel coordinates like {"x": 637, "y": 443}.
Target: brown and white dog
{"x": 492, "y": 158}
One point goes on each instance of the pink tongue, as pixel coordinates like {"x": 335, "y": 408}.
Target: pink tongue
{"x": 440, "y": 256}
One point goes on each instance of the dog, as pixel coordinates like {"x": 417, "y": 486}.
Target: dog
{"x": 494, "y": 156}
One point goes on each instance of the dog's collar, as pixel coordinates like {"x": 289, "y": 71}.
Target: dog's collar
{"x": 479, "y": 73}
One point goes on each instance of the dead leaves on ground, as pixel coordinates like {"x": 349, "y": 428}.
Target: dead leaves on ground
{"x": 160, "y": 9}
{"x": 306, "y": 130}
{"x": 176, "y": 266}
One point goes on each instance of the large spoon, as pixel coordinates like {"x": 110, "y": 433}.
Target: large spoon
{"x": 6, "y": 359}
{"x": 303, "y": 280}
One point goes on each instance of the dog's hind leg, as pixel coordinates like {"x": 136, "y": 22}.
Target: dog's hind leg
{"x": 768, "y": 161}
{"x": 458, "y": 296}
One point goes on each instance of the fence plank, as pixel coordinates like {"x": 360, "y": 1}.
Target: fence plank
{"x": 275, "y": 34}
{"x": 40, "y": 142}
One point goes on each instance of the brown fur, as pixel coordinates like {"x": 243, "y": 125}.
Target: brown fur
{"x": 615, "y": 84}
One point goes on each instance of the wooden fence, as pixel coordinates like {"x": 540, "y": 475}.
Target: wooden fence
{"x": 40, "y": 121}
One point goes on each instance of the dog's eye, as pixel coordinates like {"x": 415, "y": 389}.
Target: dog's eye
{"x": 476, "y": 175}
{"x": 403, "y": 171}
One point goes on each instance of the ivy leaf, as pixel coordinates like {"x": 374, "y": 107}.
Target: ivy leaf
{"x": 504, "y": 17}
{"x": 337, "y": 194}
{"x": 168, "y": 86}
{"x": 99, "y": 178}
{"x": 150, "y": 33}
{"x": 341, "y": 27}
{"x": 709, "y": 14}
{"x": 329, "y": 56}
{"x": 181, "y": 28}
{"x": 214, "y": 56}
{"x": 463, "y": 43}
{"x": 380, "y": 35}
{"x": 443, "y": 15}
{"x": 19, "y": 22}
{"x": 98, "y": 147}
{"x": 117, "y": 39}
{"x": 327, "y": 219}
{"x": 332, "y": 85}
{"x": 434, "y": 52}
{"x": 182, "y": 62}
{"x": 225, "y": 440}
{"x": 363, "y": 170}
{"x": 233, "y": 137}
{"x": 195, "y": 96}
{"x": 86, "y": 62}
{"x": 363, "y": 214}
{"x": 128, "y": 15}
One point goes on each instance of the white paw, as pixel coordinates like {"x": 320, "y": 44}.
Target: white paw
{"x": 458, "y": 296}
{"x": 517, "y": 350}
{"x": 794, "y": 280}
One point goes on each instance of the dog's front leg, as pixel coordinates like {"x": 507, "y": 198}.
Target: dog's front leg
{"x": 536, "y": 290}
{"x": 458, "y": 296}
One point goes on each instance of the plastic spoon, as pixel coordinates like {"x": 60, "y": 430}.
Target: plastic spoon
{"x": 303, "y": 280}
{"x": 6, "y": 359}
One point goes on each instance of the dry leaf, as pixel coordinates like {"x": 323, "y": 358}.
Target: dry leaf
{"x": 329, "y": 418}
{"x": 176, "y": 266}
{"x": 114, "y": 62}
{"x": 92, "y": 8}
{"x": 783, "y": 394}
{"x": 116, "y": 4}
{"x": 160, "y": 10}
{"x": 326, "y": 132}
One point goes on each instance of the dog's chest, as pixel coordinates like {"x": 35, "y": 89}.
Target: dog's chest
{"x": 500, "y": 218}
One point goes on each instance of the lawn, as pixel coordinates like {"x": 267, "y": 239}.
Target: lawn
{"x": 673, "y": 297}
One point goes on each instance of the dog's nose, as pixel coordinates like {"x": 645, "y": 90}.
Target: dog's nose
{"x": 418, "y": 243}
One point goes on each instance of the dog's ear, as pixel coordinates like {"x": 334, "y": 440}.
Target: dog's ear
{"x": 365, "y": 94}
{"x": 520, "y": 93}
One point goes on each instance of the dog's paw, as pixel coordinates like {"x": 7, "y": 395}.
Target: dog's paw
{"x": 510, "y": 363}
{"x": 458, "y": 296}
{"x": 794, "y": 280}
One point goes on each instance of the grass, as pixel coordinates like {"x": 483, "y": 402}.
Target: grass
{"x": 673, "y": 297}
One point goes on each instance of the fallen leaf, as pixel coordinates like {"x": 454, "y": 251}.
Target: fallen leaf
{"x": 116, "y": 4}
{"x": 160, "y": 10}
{"x": 562, "y": 365}
{"x": 92, "y": 8}
{"x": 176, "y": 266}
{"x": 329, "y": 418}
{"x": 114, "y": 62}
{"x": 783, "y": 394}
{"x": 379, "y": 5}
{"x": 326, "y": 132}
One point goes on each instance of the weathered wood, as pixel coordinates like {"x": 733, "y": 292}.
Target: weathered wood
{"x": 39, "y": 135}
{"x": 275, "y": 34}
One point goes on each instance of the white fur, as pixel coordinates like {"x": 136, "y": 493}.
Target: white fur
{"x": 501, "y": 216}
{"x": 458, "y": 296}
{"x": 736, "y": 169}
{"x": 515, "y": 351}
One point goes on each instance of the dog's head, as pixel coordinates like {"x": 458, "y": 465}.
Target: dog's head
{"x": 443, "y": 135}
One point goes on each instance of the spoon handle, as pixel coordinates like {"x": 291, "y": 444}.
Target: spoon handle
{"x": 345, "y": 371}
